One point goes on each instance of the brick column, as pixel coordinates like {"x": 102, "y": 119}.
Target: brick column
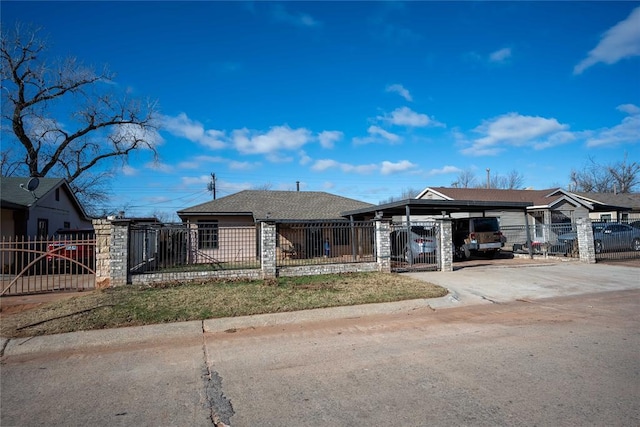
{"x": 586, "y": 247}
{"x": 119, "y": 252}
{"x": 445, "y": 244}
{"x": 383, "y": 246}
{"x": 268, "y": 249}
{"x": 102, "y": 229}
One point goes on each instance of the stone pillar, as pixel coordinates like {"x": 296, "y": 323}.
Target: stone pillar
{"x": 445, "y": 244}
{"x": 586, "y": 247}
{"x": 383, "y": 246}
{"x": 268, "y": 249}
{"x": 102, "y": 229}
{"x": 119, "y": 250}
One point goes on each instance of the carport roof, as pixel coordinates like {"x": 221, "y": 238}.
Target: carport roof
{"x": 433, "y": 207}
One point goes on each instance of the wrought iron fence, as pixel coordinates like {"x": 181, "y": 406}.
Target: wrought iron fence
{"x": 327, "y": 242}
{"x": 546, "y": 239}
{"x": 193, "y": 246}
{"x": 616, "y": 241}
{"x": 36, "y": 265}
{"x": 415, "y": 246}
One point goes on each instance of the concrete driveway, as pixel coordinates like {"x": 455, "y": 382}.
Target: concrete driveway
{"x": 535, "y": 345}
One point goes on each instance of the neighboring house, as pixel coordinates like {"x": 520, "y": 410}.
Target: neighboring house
{"x": 41, "y": 212}
{"x": 553, "y": 206}
{"x": 249, "y": 207}
{"x": 631, "y": 201}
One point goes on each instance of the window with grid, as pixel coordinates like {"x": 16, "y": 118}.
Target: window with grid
{"x": 207, "y": 235}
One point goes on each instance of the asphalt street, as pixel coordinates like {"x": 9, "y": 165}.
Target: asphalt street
{"x": 536, "y": 345}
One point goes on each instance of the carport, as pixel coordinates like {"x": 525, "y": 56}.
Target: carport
{"x": 439, "y": 209}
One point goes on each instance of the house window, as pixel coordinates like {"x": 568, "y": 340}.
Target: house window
{"x": 605, "y": 217}
{"x": 43, "y": 227}
{"x": 207, "y": 235}
{"x": 58, "y": 194}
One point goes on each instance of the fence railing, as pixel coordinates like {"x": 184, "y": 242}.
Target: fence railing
{"x": 327, "y": 242}
{"x": 551, "y": 239}
{"x": 193, "y": 246}
{"x": 32, "y": 265}
{"x": 415, "y": 246}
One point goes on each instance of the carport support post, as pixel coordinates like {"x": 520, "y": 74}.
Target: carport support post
{"x": 445, "y": 245}
{"x": 383, "y": 246}
{"x": 586, "y": 246}
{"x": 268, "y": 249}
{"x": 528, "y": 231}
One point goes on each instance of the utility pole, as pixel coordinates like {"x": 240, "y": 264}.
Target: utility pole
{"x": 212, "y": 185}
{"x": 488, "y": 178}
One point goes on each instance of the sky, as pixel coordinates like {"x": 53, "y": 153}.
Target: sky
{"x": 359, "y": 99}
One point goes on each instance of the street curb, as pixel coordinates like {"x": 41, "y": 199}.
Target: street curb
{"x": 295, "y": 317}
{"x": 83, "y": 340}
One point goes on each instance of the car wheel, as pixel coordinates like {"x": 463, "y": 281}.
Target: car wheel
{"x": 636, "y": 244}
{"x": 598, "y": 247}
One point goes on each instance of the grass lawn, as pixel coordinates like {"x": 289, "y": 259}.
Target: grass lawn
{"x": 174, "y": 302}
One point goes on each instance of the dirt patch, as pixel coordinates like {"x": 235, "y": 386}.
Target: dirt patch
{"x": 17, "y": 304}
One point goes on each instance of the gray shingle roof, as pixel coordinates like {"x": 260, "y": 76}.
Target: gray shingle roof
{"x": 12, "y": 194}
{"x": 278, "y": 205}
{"x": 629, "y": 200}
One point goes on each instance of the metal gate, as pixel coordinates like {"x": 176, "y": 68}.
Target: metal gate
{"x": 31, "y": 266}
{"x": 414, "y": 246}
{"x": 616, "y": 241}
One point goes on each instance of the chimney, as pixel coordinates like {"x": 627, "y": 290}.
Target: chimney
{"x": 488, "y": 179}
{"x": 297, "y": 185}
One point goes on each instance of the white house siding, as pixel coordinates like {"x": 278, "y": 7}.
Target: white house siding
{"x": 56, "y": 212}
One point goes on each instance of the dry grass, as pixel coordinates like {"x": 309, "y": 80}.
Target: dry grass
{"x": 172, "y": 302}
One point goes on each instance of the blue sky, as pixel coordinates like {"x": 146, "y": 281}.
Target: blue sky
{"x": 359, "y": 99}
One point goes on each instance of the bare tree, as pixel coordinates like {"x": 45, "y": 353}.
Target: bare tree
{"x": 626, "y": 176}
{"x": 620, "y": 177}
{"x": 407, "y": 193}
{"x": 66, "y": 119}
{"x": 465, "y": 179}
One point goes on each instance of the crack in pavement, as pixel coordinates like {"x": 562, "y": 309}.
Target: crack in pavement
{"x": 220, "y": 406}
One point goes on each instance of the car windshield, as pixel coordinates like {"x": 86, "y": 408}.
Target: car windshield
{"x": 483, "y": 225}
{"x": 597, "y": 228}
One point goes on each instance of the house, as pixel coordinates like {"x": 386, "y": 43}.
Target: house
{"x": 552, "y": 210}
{"x": 247, "y": 208}
{"x": 630, "y": 201}
{"x": 38, "y": 207}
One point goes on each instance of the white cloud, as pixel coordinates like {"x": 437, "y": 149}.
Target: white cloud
{"x": 297, "y": 19}
{"x": 325, "y": 164}
{"x": 629, "y": 109}
{"x": 159, "y": 167}
{"x": 194, "y": 131}
{"x": 304, "y": 158}
{"x": 384, "y": 168}
{"x": 377, "y": 135}
{"x": 278, "y": 138}
{"x": 627, "y": 132}
{"x": 400, "y": 90}
{"x": 329, "y": 138}
{"x": 618, "y": 42}
{"x": 444, "y": 170}
{"x": 129, "y": 171}
{"x": 376, "y": 130}
{"x": 500, "y": 55}
{"x": 516, "y": 130}
{"x": 405, "y": 116}
{"x": 243, "y": 166}
{"x": 389, "y": 168}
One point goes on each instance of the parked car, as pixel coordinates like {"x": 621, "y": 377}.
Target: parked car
{"x": 608, "y": 236}
{"x": 421, "y": 244}
{"x": 71, "y": 250}
{"x": 635, "y": 224}
{"x": 474, "y": 236}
